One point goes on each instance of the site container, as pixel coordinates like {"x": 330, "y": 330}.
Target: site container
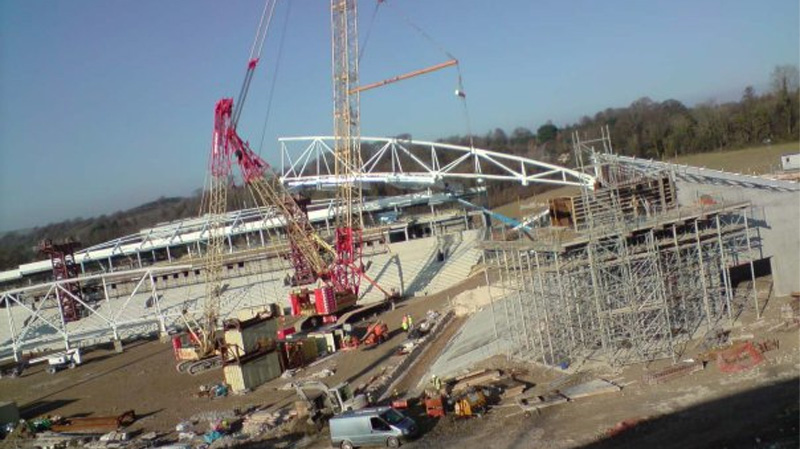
{"x": 242, "y": 337}
{"x": 252, "y": 370}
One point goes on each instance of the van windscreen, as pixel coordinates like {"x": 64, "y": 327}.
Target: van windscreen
{"x": 392, "y": 416}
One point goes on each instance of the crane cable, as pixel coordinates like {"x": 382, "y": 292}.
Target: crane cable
{"x": 274, "y": 78}
{"x": 460, "y": 90}
{"x": 363, "y": 46}
{"x": 255, "y": 55}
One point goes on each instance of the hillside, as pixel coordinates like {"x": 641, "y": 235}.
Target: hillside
{"x": 19, "y": 247}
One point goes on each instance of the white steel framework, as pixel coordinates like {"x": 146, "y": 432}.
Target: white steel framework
{"x": 702, "y": 175}
{"x": 310, "y": 162}
{"x": 35, "y": 319}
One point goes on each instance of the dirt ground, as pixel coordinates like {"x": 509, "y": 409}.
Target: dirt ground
{"x": 756, "y": 408}
{"x": 709, "y": 409}
{"x": 143, "y": 378}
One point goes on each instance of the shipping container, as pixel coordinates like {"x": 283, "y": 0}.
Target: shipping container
{"x": 252, "y": 370}
{"x": 243, "y": 337}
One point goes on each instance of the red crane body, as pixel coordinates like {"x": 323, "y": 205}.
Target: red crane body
{"x": 340, "y": 278}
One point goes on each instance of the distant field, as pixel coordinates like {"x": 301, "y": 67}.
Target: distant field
{"x": 753, "y": 160}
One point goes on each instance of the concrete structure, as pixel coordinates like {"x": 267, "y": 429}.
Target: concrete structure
{"x": 479, "y": 338}
{"x": 552, "y": 279}
{"x": 246, "y": 229}
{"x": 628, "y": 275}
{"x": 776, "y": 207}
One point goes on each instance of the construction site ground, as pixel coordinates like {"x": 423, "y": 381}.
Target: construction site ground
{"x": 143, "y": 377}
{"x": 755, "y": 408}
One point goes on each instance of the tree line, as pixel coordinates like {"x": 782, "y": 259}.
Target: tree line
{"x": 645, "y": 128}
{"x": 660, "y": 130}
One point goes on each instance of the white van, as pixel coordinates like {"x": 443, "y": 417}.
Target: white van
{"x": 376, "y": 426}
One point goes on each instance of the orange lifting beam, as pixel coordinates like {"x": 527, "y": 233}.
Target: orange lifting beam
{"x": 397, "y": 78}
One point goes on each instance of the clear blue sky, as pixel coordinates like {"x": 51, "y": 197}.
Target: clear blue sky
{"x": 107, "y": 104}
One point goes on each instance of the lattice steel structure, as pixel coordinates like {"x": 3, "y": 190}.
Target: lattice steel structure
{"x": 622, "y": 283}
{"x": 346, "y": 269}
{"x": 62, "y": 258}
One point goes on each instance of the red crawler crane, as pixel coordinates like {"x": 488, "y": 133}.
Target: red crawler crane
{"x": 339, "y": 280}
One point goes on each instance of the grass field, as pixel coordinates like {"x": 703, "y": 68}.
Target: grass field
{"x": 753, "y": 160}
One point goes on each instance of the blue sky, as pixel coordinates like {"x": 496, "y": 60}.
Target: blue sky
{"x": 105, "y": 105}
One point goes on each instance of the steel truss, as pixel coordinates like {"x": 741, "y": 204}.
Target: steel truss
{"x": 627, "y": 296}
{"x": 702, "y": 175}
{"x": 311, "y": 162}
{"x": 36, "y": 320}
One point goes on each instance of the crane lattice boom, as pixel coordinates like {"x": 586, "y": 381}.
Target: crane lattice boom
{"x": 347, "y": 145}
{"x": 306, "y": 256}
{"x": 216, "y": 198}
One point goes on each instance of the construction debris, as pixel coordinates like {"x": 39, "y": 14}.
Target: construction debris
{"x": 739, "y": 357}
{"x": 623, "y": 426}
{"x": 514, "y": 391}
{"x": 475, "y": 378}
{"x": 537, "y": 403}
{"x": 768, "y": 345}
{"x": 115, "y": 435}
{"x": 97, "y": 424}
{"x": 213, "y": 390}
{"x": 673, "y": 372}
{"x": 263, "y": 421}
{"x": 565, "y": 389}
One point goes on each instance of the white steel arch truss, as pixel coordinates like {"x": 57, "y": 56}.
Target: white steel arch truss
{"x": 309, "y": 161}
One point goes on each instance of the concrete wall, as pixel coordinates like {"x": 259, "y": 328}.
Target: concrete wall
{"x": 474, "y": 342}
{"x": 777, "y": 216}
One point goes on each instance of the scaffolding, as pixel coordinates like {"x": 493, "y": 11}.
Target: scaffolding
{"x": 624, "y": 275}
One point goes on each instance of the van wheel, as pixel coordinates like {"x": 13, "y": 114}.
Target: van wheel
{"x": 347, "y": 445}
{"x": 393, "y": 442}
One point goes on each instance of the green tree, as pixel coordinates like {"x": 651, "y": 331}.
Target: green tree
{"x": 547, "y": 132}
{"x": 785, "y": 80}
{"x": 521, "y": 135}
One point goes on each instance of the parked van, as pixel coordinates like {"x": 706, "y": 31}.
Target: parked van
{"x": 376, "y": 426}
